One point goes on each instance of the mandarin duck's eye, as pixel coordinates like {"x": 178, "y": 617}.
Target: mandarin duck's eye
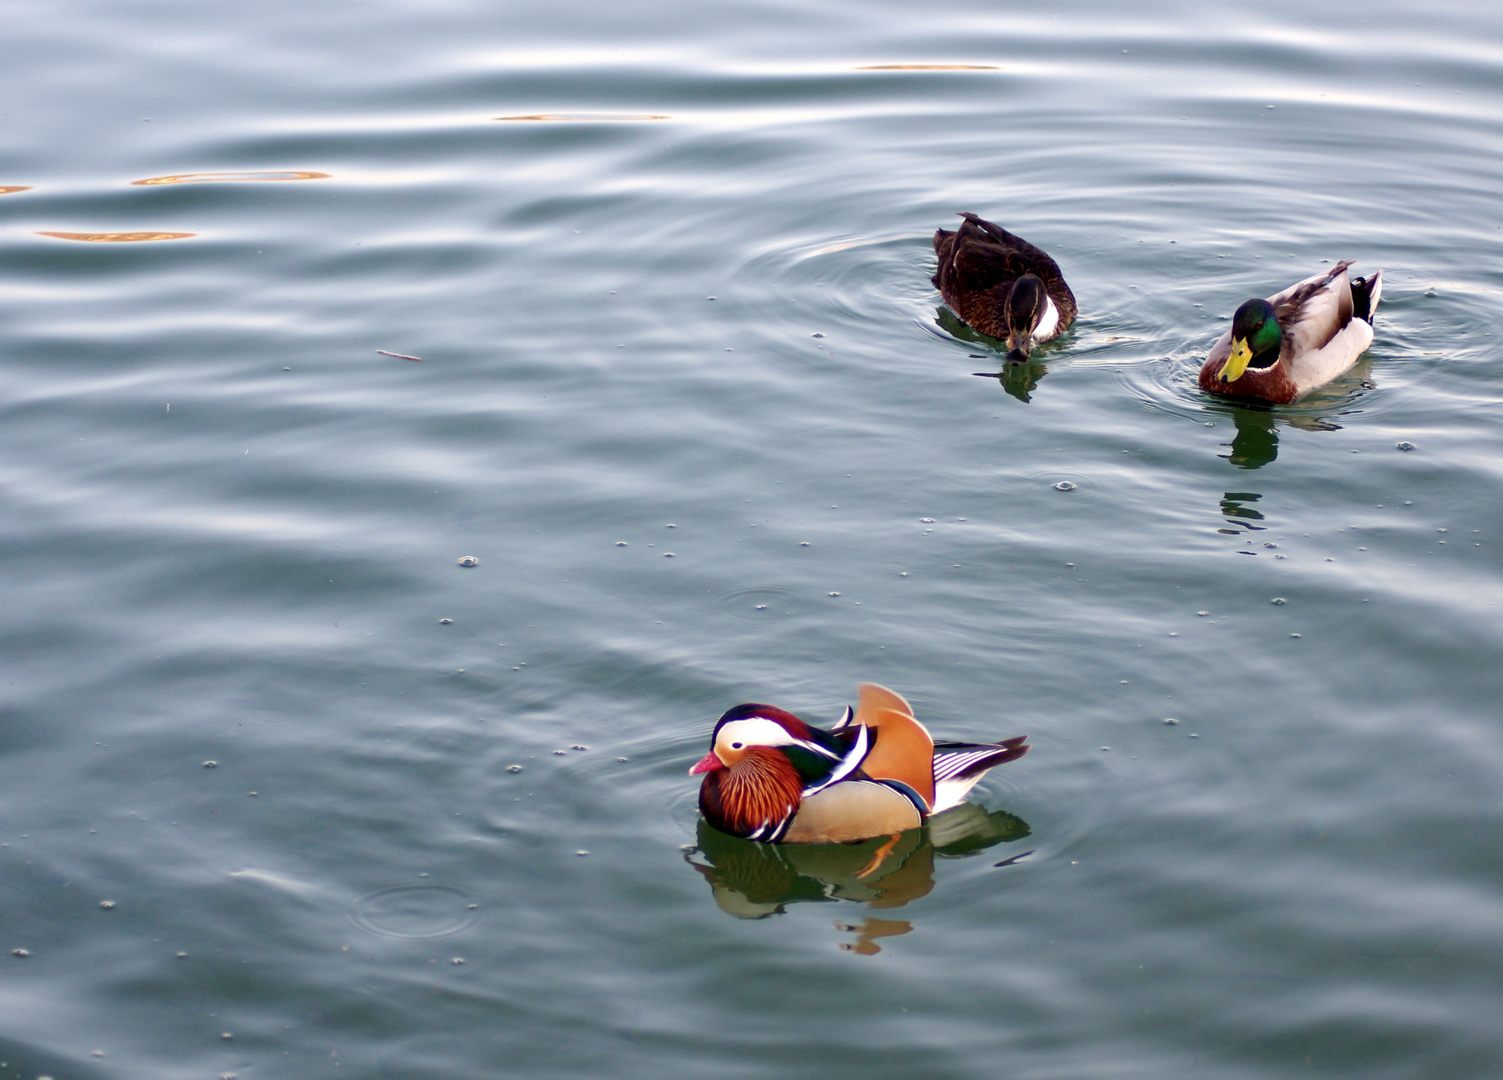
{"x": 735, "y": 746}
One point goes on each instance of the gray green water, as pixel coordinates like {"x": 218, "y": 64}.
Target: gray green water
{"x": 231, "y": 531}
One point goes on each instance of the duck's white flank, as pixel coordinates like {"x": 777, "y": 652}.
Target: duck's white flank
{"x": 1048, "y": 322}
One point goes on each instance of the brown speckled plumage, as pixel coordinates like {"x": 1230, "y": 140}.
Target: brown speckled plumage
{"x": 978, "y": 264}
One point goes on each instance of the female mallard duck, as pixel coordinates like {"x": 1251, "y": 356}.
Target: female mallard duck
{"x": 1280, "y": 349}
{"x": 1002, "y": 285}
{"x": 769, "y": 776}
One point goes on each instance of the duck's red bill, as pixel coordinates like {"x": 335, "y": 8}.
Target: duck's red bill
{"x": 708, "y": 763}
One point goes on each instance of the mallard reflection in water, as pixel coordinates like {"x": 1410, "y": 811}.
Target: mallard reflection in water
{"x": 1257, "y": 440}
{"x": 752, "y": 880}
{"x": 1018, "y": 379}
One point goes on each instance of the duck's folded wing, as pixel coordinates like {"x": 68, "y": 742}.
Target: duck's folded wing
{"x": 958, "y": 766}
{"x": 981, "y": 265}
{"x": 1313, "y": 311}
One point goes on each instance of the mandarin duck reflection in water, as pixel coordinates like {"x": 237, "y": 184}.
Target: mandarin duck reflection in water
{"x": 1002, "y": 285}
{"x": 1280, "y": 349}
{"x": 769, "y": 776}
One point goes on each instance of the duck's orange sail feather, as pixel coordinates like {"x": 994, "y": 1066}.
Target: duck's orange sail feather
{"x": 904, "y": 749}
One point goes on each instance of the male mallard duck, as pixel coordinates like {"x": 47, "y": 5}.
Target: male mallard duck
{"x": 1281, "y": 348}
{"x": 1002, "y": 285}
{"x": 769, "y": 776}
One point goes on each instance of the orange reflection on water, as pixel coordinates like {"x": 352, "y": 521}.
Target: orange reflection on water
{"x": 590, "y": 118}
{"x": 211, "y": 177}
{"x": 117, "y": 237}
{"x": 13, "y": 189}
{"x": 928, "y": 67}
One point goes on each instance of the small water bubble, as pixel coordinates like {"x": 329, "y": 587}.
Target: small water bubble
{"x": 182, "y": 956}
{"x": 804, "y": 544}
{"x": 761, "y": 607}
{"x": 1202, "y": 613}
{"x": 514, "y": 768}
{"x": 226, "y": 1035}
{"x": 20, "y": 954}
{"x": 1405, "y": 445}
{"x": 670, "y": 525}
{"x": 560, "y": 753}
{"x": 468, "y": 561}
{"x": 579, "y": 746}
{"x": 108, "y": 905}
{"x": 1294, "y": 635}
{"x": 902, "y": 573}
{"x": 927, "y": 521}
{"x": 581, "y": 854}
{"x": 620, "y": 543}
{"x": 1064, "y": 485}
{"x": 1069, "y": 566}
{"x": 834, "y": 594}
{"x": 669, "y": 555}
{"x": 816, "y": 335}
{"x": 96, "y": 1053}
{"x": 1267, "y": 544}
{"x": 621, "y": 759}
{"x": 1278, "y": 601}
{"x": 445, "y": 622}
{"x": 1171, "y": 721}
{"x": 1106, "y": 748}
{"x": 456, "y": 961}
{"x": 211, "y": 764}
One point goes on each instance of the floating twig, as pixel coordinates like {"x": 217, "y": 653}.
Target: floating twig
{"x": 400, "y": 356}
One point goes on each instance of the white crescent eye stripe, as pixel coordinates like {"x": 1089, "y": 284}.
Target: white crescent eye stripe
{"x": 759, "y": 731}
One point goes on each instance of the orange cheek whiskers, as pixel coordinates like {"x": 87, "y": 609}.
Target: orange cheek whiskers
{"x": 763, "y": 786}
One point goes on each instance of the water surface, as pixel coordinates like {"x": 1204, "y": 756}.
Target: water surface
{"x": 285, "y": 790}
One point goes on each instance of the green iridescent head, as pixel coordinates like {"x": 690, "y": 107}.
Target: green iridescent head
{"x": 1256, "y": 340}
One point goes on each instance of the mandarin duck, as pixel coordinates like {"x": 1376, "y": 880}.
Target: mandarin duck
{"x": 1002, "y": 285}
{"x": 772, "y": 777}
{"x": 1280, "y": 349}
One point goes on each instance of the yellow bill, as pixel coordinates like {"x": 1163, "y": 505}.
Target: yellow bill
{"x": 1236, "y": 363}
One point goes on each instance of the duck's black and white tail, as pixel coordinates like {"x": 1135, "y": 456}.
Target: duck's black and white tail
{"x": 1366, "y": 292}
{"x": 958, "y": 766}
